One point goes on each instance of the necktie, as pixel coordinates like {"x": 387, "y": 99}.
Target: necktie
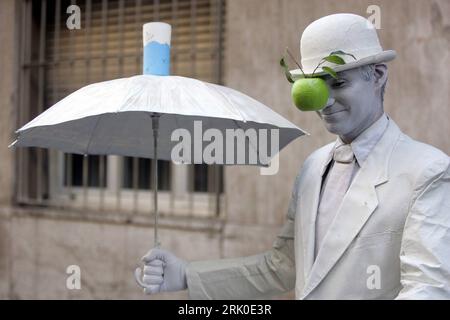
{"x": 334, "y": 189}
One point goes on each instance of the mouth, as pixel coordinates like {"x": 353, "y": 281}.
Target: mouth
{"x": 328, "y": 112}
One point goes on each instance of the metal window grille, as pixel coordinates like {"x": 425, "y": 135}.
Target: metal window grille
{"x": 56, "y": 61}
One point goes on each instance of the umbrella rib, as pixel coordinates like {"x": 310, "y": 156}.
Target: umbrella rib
{"x": 249, "y": 142}
{"x": 92, "y": 134}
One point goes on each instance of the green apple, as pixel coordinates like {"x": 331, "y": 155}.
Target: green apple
{"x": 310, "y": 94}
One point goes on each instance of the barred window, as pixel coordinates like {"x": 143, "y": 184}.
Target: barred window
{"x": 55, "y": 61}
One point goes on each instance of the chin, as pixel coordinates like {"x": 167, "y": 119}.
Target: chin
{"x": 336, "y": 128}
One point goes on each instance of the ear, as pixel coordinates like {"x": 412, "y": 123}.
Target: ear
{"x": 381, "y": 74}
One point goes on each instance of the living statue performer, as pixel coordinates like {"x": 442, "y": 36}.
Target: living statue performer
{"x": 369, "y": 216}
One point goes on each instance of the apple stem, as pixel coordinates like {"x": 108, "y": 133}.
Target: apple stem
{"x": 298, "y": 65}
{"x": 322, "y": 61}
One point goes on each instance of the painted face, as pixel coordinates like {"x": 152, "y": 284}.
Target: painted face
{"x": 353, "y": 104}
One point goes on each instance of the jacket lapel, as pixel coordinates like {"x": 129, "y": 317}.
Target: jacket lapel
{"x": 357, "y": 206}
{"x": 311, "y": 195}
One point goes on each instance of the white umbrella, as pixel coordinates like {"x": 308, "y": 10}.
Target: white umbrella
{"x": 114, "y": 117}
{"x": 136, "y": 117}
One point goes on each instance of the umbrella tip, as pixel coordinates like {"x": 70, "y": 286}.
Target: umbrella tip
{"x": 12, "y": 144}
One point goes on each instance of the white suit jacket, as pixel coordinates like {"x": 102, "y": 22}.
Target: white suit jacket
{"x": 390, "y": 238}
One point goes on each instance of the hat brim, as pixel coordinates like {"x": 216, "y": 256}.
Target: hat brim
{"x": 384, "y": 56}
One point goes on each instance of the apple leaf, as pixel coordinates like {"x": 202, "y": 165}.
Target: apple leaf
{"x": 330, "y": 71}
{"x": 342, "y": 53}
{"x": 286, "y": 71}
{"x": 335, "y": 59}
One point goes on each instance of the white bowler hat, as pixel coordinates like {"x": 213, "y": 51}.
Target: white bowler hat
{"x": 347, "y": 32}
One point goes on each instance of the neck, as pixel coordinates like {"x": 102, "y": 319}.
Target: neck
{"x": 348, "y": 138}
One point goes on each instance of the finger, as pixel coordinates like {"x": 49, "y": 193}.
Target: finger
{"x": 153, "y": 254}
{"x": 151, "y": 289}
{"x": 151, "y": 270}
{"x": 152, "y": 280}
{"x": 155, "y": 263}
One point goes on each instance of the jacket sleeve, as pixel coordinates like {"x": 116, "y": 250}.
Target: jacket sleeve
{"x": 254, "y": 277}
{"x": 425, "y": 249}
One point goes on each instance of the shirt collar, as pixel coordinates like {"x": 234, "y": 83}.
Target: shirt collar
{"x": 364, "y": 143}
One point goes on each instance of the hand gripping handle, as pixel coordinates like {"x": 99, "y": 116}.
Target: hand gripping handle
{"x": 138, "y": 276}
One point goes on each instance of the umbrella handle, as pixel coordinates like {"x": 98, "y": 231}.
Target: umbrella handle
{"x": 138, "y": 275}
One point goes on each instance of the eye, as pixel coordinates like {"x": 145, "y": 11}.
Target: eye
{"x": 338, "y": 84}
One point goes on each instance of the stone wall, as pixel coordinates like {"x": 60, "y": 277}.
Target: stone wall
{"x": 8, "y": 82}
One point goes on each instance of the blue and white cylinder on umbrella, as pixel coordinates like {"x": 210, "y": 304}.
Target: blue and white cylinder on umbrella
{"x": 156, "y": 38}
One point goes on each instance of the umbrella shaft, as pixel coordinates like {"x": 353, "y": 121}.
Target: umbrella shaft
{"x": 155, "y": 127}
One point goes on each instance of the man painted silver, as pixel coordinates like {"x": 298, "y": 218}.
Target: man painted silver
{"x": 392, "y": 218}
